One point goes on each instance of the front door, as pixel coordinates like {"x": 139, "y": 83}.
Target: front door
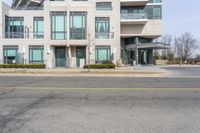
{"x": 80, "y": 54}
{"x": 60, "y": 57}
{"x": 143, "y": 57}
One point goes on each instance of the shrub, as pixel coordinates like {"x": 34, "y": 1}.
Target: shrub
{"x": 35, "y": 66}
{"x": 100, "y": 66}
{"x": 107, "y": 62}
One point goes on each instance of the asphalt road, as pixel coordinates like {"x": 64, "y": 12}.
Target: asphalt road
{"x": 98, "y": 82}
{"x": 99, "y": 105}
{"x": 100, "y": 111}
{"x": 183, "y": 71}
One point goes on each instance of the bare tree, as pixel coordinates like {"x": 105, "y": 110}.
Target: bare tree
{"x": 167, "y": 39}
{"x": 167, "y": 53}
{"x": 185, "y": 46}
{"x": 90, "y": 45}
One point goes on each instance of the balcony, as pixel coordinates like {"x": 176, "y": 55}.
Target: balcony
{"x": 29, "y": 8}
{"x": 133, "y": 2}
{"x": 104, "y": 35}
{"x": 27, "y": 5}
{"x": 134, "y": 18}
{"x": 24, "y": 35}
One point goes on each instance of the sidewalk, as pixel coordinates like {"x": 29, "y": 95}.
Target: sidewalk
{"x": 150, "y": 71}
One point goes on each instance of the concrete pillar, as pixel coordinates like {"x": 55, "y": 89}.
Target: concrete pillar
{"x": 150, "y": 56}
{"x": 136, "y": 49}
{"x": 1, "y": 55}
{"x": 70, "y": 56}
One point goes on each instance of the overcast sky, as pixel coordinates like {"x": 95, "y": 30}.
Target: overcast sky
{"x": 178, "y": 16}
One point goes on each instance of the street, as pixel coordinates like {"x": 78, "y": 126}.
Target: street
{"x": 100, "y": 111}
{"x": 184, "y": 71}
{"x": 99, "y": 105}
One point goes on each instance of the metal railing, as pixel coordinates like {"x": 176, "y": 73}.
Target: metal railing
{"x": 25, "y": 35}
{"x": 24, "y": 61}
{"x": 133, "y": 15}
{"x": 102, "y": 8}
{"x": 104, "y": 35}
{"x": 29, "y": 8}
{"x": 40, "y": 35}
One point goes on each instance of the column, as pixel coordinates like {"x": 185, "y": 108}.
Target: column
{"x": 136, "y": 50}
{"x": 69, "y": 56}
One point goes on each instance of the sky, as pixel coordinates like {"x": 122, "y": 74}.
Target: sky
{"x": 179, "y": 16}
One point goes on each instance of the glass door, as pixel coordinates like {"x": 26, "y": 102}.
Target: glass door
{"x": 80, "y": 54}
{"x": 60, "y": 57}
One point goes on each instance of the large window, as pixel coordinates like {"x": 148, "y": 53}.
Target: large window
{"x": 36, "y": 54}
{"x": 58, "y": 25}
{"x": 136, "y": 12}
{"x": 14, "y": 27}
{"x": 142, "y": 12}
{"x": 10, "y": 53}
{"x": 132, "y": 40}
{"x": 102, "y": 27}
{"x": 102, "y": 53}
{"x": 154, "y": 12}
{"x": 38, "y": 27}
{"x": 78, "y": 25}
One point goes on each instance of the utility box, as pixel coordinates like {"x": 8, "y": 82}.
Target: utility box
{"x": 82, "y": 63}
{"x": 134, "y": 63}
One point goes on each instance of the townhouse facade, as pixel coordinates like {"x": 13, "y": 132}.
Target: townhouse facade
{"x": 72, "y": 33}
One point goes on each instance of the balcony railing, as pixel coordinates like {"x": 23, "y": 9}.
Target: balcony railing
{"x": 29, "y": 8}
{"x": 133, "y": 16}
{"x": 104, "y": 35}
{"x": 25, "y": 35}
{"x": 40, "y": 35}
{"x": 21, "y": 61}
{"x": 104, "y": 8}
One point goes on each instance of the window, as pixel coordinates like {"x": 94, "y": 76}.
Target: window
{"x": 102, "y": 27}
{"x": 36, "y": 54}
{"x": 154, "y": 12}
{"x": 10, "y": 53}
{"x": 102, "y": 53}
{"x": 142, "y": 12}
{"x": 137, "y": 12}
{"x": 103, "y": 6}
{"x": 132, "y": 40}
{"x": 14, "y": 27}
{"x": 155, "y": 1}
{"x": 38, "y": 27}
{"x": 58, "y": 25}
{"x": 78, "y": 25}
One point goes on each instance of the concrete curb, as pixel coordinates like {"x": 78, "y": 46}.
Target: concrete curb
{"x": 82, "y": 73}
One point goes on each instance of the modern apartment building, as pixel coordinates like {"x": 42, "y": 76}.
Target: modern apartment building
{"x": 71, "y": 33}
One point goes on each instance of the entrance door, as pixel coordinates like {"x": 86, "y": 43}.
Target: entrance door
{"x": 132, "y": 57}
{"x": 60, "y": 57}
{"x": 143, "y": 57}
{"x": 80, "y": 54}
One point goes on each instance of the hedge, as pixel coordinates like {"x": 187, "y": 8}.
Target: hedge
{"x": 36, "y": 66}
{"x": 100, "y": 66}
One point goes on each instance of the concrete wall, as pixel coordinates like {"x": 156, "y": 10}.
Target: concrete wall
{"x": 152, "y": 28}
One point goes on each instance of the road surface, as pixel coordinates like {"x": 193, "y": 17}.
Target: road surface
{"x": 99, "y": 105}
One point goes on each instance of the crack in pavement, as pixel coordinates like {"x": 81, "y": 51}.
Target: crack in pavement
{"x": 12, "y": 116}
{"x": 18, "y": 84}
